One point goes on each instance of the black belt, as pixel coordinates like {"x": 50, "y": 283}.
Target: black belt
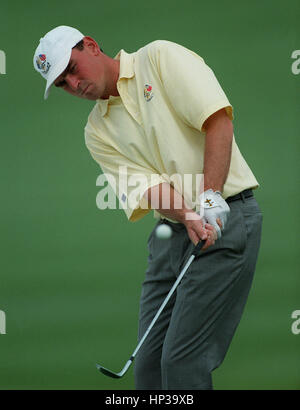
{"x": 242, "y": 195}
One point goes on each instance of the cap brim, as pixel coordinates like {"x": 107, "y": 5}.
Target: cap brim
{"x": 56, "y": 72}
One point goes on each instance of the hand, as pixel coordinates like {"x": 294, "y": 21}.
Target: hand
{"x": 216, "y": 209}
{"x": 198, "y": 230}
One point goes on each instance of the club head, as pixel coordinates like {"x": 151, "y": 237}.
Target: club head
{"x": 114, "y": 375}
{"x": 108, "y": 373}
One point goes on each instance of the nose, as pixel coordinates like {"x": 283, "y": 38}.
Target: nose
{"x": 72, "y": 81}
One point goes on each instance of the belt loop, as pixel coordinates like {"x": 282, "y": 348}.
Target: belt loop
{"x": 243, "y": 196}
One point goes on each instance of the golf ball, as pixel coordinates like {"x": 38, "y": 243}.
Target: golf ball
{"x": 163, "y": 231}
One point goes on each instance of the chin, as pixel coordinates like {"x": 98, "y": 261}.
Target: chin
{"x": 91, "y": 97}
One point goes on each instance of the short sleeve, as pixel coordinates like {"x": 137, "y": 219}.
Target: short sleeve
{"x": 128, "y": 180}
{"x": 190, "y": 84}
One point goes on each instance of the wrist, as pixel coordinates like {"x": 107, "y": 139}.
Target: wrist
{"x": 214, "y": 188}
{"x": 189, "y": 217}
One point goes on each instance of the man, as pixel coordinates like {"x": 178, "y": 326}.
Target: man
{"x": 161, "y": 114}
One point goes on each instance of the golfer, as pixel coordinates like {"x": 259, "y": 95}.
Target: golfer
{"x": 161, "y": 117}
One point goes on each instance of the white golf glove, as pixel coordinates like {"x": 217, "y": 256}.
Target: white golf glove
{"x": 213, "y": 207}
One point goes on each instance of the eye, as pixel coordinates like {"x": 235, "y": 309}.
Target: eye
{"x": 60, "y": 84}
{"x": 73, "y": 69}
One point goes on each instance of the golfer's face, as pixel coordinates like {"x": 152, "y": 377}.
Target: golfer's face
{"x": 84, "y": 75}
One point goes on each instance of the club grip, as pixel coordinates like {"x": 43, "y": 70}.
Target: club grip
{"x": 198, "y": 248}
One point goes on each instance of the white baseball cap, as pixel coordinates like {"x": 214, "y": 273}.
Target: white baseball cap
{"x": 53, "y": 53}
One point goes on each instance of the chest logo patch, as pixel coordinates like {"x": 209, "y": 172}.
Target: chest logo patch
{"x": 148, "y": 92}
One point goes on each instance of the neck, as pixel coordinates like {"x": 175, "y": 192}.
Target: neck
{"x": 113, "y": 75}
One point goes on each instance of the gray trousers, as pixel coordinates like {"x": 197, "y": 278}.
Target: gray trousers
{"x": 193, "y": 333}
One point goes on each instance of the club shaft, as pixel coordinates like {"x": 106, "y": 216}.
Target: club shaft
{"x": 108, "y": 372}
{"x": 163, "y": 304}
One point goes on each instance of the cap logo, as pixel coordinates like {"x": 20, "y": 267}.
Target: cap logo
{"x": 148, "y": 93}
{"x": 42, "y": 64}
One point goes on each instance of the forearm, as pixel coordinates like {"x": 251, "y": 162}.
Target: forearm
{"x": 167, "y": 202}
{"x": 217, "y": 156}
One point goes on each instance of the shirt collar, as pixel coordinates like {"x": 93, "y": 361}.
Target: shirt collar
{"x": 126, "y": 64}
{"x": 126, "y": 71}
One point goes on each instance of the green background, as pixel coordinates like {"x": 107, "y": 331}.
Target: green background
{"x": 71, "y": 274}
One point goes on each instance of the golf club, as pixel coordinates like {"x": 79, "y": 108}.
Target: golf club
{"x": 114, "y": 375}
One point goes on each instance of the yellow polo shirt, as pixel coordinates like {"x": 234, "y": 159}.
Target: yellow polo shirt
{"x": 153, "y": 131}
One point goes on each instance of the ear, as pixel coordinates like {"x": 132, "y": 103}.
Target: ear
{"x": 91, "y": 45}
